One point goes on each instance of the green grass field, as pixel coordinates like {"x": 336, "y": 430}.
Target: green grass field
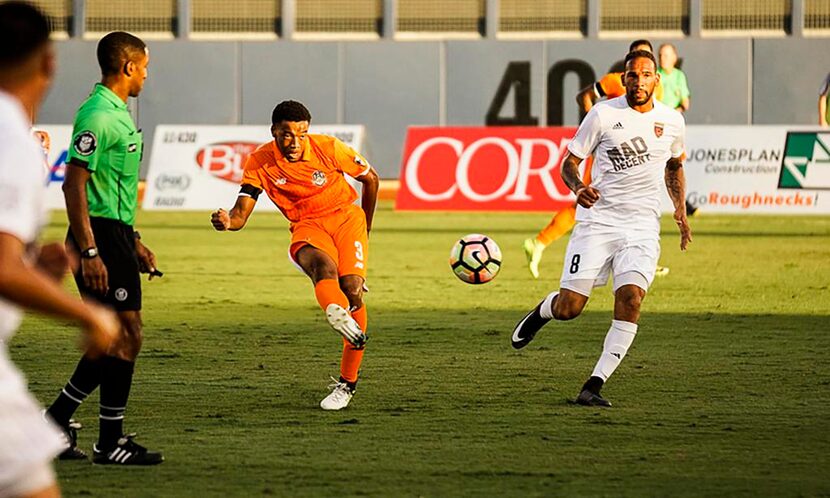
{"x": 725, "y": 391}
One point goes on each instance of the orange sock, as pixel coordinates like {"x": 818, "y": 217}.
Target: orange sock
{"x": 351, "y": 359}
{"x": 561, "y": 224}
{"x": 328, "y": 292}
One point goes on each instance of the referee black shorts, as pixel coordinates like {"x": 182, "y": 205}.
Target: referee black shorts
{"x": 116, "y": 246}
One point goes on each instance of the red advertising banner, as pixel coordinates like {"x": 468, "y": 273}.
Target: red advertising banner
{"x": 484, "y": 169}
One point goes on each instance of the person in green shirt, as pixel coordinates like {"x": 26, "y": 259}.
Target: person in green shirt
{"x": 675, "y": 87}
{"x": 101, "y": 192}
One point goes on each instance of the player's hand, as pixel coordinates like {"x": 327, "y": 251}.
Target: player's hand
{"x": 587, "y": 196}
{"x": 685, "y": 229}
{"x": 221, "y": 220}
{"x": 53, "y": 260}
{"x": 95, "y": 274}
{"x": 102, "y": 328}
{"x": 146, "y": 259}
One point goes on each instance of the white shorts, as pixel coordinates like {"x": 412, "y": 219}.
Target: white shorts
{"x": 596, "y": 252}
{"x": 27, "y": 440}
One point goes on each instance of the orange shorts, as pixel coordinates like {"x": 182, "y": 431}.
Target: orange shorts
{"x": 341, "y": 235}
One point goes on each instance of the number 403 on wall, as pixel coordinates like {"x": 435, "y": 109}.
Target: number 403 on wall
{"x": 517, "y": 78}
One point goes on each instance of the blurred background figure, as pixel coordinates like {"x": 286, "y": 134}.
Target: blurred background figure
{"x": 675, "y": 88}
{"x": 823, "y": 97}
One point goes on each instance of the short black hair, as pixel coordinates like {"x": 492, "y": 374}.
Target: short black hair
{"x": 640, "y": 53}
{"x": 116, "y": 49}
{"x": 637, "y": 43}
{"x": 290, "y": 110}
{"x": 23, "y": 31}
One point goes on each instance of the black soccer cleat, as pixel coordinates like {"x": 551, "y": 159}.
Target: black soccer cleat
{"x": 526, "y": 329}
{"x": 126, "y": 452}
{"x": 72, "y": 452}
{"x": 588, "y": 398}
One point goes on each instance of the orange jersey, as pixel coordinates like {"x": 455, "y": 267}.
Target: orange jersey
{"x": 611, "y": 86}
{"x": 309, "y": 188}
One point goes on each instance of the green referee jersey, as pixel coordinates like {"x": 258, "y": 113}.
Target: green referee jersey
{"x": 104, "y": 137}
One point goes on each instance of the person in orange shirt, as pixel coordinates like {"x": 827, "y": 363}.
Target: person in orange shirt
{"x": 609, "y": 86}
{"x": 302, "y": 174}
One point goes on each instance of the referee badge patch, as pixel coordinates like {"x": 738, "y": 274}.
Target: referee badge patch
{"x": 121, "y": 294}
{"x": 85, "y": 143}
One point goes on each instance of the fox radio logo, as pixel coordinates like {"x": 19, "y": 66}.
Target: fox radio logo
{"x": 806, "y": 161}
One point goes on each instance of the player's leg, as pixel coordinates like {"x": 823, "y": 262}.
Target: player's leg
{"x": 34, "y": 481}
{"x": 587, "y": 264}
{"x": 322, "y": 270}
{"x": 620, "y": 336}
{"x": 559, "y": 225}
{"x": 350, "y": 237}
{"x": 28, "y": 441}
{"x": 634, "y": 269}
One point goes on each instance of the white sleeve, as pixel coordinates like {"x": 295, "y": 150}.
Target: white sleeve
{"x": 587, "y": 136}
{"x": 678, "y": 147}
{"x": 21, "y": 194}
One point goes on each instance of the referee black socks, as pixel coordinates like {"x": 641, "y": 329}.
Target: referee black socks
{"x": 115, "y": 390}
{"x": 86, "y": 378}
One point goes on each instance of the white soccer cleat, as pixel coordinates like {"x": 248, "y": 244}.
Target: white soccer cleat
{"x": 339, "y": 397}
{"x": 343, "y": 323}
{"x": 533, "y": 251}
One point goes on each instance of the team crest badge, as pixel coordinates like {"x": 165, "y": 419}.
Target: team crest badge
{"x": 658, "y": 129}
{"x": 85, "y": 143}
{"x": 318, "y": 178}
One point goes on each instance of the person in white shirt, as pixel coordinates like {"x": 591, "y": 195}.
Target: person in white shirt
{"x": 29, "y": 276}
{"x": 637, "y": 143}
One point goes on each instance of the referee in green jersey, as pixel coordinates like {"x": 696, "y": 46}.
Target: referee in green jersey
{"x": 101, "y": 191}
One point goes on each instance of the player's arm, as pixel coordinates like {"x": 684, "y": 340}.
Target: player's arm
{"x": 587, "y": 97}
{"x": 586, "y": 196}
{"x": 237, "y": 217}
{"x": 822, "y": 110}
{"x": 77, "y": 210}
{"x": 31, "y": 288}
{"x": 676, "y": 186}
{"x": 370, "y": 182}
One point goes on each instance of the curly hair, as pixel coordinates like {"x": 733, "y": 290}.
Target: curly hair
{"x": 290, "y": 110}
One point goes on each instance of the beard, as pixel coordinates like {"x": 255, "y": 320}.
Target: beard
{"x": 634, "y": 99}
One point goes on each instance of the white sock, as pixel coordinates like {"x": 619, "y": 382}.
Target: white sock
{"x": 546, "y": 311}
{"x": 617, "y": 341}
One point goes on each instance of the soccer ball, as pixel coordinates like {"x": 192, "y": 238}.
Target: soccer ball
{"x": 475, "y": 259}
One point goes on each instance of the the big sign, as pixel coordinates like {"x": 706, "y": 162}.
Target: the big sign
{"x": 498, "y": 169}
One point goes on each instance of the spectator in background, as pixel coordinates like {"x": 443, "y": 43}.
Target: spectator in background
{"x": 823, "y": 98}
{"x": 675, "y": 87}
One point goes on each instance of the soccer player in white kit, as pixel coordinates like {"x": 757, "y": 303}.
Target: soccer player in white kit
{"x": 29, "y": 276}
{"x": 637, "y": 143}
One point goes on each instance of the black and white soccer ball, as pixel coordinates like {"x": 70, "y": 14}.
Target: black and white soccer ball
{"x": 475, "y": 259}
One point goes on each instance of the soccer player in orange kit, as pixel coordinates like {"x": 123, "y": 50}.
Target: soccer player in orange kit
{"x": 302, "y": 174}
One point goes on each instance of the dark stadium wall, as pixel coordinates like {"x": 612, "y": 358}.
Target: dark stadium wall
{"x": 388, "y": 86}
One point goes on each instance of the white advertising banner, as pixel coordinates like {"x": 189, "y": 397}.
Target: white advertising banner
{"x": 757, "y": 169}
{"x": 200, "y": 167}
